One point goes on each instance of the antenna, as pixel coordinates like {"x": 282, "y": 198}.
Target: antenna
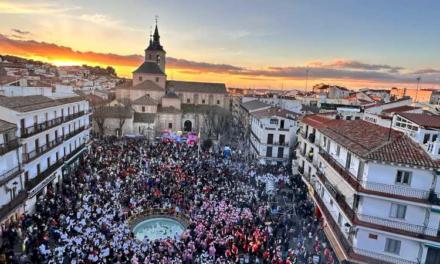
{"x": 307, "y": 78}
{"x": 417, "y": 92}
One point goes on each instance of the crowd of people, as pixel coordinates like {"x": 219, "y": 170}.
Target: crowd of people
{"x": 232, "y": 216}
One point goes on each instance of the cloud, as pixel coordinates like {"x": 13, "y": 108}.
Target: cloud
{"x": 201, "y": 66}
{"x": 344, "y": 70}
{"x": 356, "y": 65}
{"x": 20, "y": 32}
{"x": 427, "y": 71}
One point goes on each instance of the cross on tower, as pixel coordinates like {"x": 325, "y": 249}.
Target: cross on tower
{"x": 156, "y": 18}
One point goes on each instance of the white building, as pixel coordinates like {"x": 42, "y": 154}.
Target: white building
{"x": 376, "y": 189}
{"x": 424, "y": 129}
{"x": 52, "y": 133}
{"x": 273, "y": 133}
{"x": 12, "y": 193}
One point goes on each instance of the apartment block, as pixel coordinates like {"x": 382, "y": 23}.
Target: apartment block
{"x": 273, "y": 134}
{"x": 376, "y": 189}
{"x": 48, "y": 135}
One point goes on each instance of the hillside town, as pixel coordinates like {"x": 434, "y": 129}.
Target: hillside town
{"x": 326, "y": 174}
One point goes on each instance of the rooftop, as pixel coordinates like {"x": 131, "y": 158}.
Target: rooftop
{"x": 275, "y": 111}
{"x": 373, "y": 142}
{"x": 400, "y": 109}
{"x": 254, "y": 105}
{"x": 197, "y": 87}
{"x": 28, "y": 103}
{"x": 145, "y": 100}
{"x": 424, "y": 120}
{"x": 149, "y": 67}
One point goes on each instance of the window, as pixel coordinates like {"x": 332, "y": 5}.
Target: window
{"x": 392, "y": 246}
{"x": 188, "y": 100}
{"x": 331, "y": 202}
{"x": 339, "y": 219}
{"x": 325, "y": 141}
{"x": 143, "y": 108}
{"x": 269, "y": 138}
{"x": 282, "y": 124}
{"x": 269, "y": 152}
{"x": 274, "y": 121}
{"x": 338, "y": 150}
{"x": 140, "y": 78}
{"x": 282, "y": 139}
{"x": 426, "y": 138}
{"x": 403, "y": 177}
{"x": 372, "y": 236}
{"x": 157, "y": 79}
{"x": 170, "y": 125}
{"x": 398, "y": 211}
{"x": 434, "y": 138}
{"x": 203, "y": 101}
{"x": 280, "y": 152}
{"x": 218, "y": 102}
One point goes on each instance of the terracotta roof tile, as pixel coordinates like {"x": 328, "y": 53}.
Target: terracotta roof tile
{"x": 373, "y": 142}
{"x": 424, "y": 120}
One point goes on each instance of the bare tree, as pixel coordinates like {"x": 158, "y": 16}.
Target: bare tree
{"x": 217, "y": 122}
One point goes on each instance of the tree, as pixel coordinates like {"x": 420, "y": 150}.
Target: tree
{"x": 217, "y": 123}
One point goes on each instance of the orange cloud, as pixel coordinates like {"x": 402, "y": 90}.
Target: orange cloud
{"x": 343, "y": 72}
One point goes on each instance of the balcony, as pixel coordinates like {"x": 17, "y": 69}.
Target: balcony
{"x": 73, "y": 153}
{"x": 387, "y": 225}
{"x": 37, "y": 128}
{"x": 417, "y": 229}
{"x": 10, "y": 174}
{"x": 30, "y": 156}
{"x": 75, "y": 132}
{"x": 7, "y": 208}
{"x": 74, "y": 116}
{"x": 30, "y": 184}
{"x": 340, "y": 238}
{"x": 380, "y": 189}
{"x": 8, "y": 146}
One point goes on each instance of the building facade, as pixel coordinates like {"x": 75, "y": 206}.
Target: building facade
{"x": 273, "y": 133}
{"x": 50, "y": 133}
{"x": 162, "y": 105}
{"x": 375, "y": 188}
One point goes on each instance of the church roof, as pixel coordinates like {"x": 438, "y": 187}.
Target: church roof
{"x": 144, "y": 118}
{"x": 145, "y": 100}
{"x": 147, "y": 86}
{"x": 149, "y": 67}
{"x": 197, "y": 87}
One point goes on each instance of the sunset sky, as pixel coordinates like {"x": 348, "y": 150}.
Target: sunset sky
{"x": 244, "y": 43}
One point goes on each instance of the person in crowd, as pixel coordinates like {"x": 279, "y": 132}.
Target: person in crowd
{"x": 233, "y": 211}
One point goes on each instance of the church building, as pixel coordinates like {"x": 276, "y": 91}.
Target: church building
{"x": 152, "y": 104}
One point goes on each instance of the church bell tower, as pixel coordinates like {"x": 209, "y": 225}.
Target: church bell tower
{"x": 155, "y": 52}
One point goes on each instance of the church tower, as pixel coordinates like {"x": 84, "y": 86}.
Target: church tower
{"x": 155, "y": 52}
